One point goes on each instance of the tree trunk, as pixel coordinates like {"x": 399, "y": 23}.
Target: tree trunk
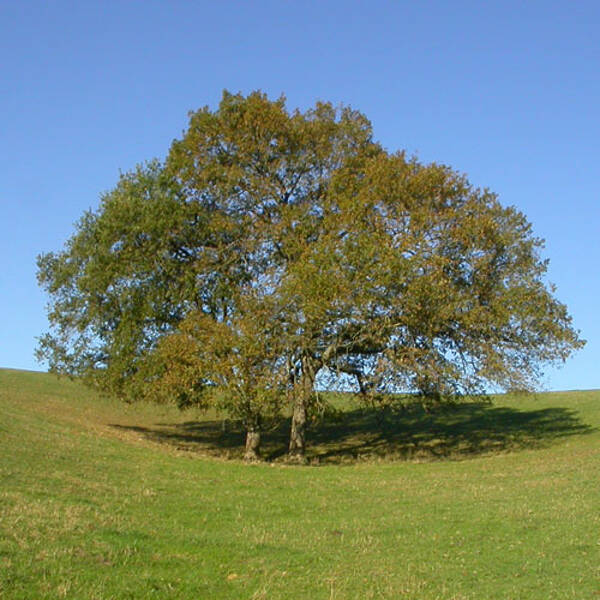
{"x": 297, "y": 449}
{"x": 252, "y": 453}
{"x": 253, "y": 427}
{"x": 302, "y": 393}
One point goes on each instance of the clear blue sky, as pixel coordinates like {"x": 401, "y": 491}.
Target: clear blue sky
{"x": 505, "y": 91}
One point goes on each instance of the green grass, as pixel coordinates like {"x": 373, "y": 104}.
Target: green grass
{"x": 104, "y": 500}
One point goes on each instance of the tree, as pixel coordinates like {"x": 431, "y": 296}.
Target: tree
{"x": 275, "y": 248}
{"x": 421, "y": 282}
{"x": 234, "y": 366}
{"x": 123, "y": 279}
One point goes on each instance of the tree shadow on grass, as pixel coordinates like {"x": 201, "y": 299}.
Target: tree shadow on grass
{"x": 446, "y": 433}
{"x": 451, "y": 432}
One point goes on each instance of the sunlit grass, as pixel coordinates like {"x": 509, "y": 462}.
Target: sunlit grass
{"x": 104, "y": 500}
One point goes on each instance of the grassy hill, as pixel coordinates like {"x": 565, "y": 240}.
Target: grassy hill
{"x": 103, "y": 500}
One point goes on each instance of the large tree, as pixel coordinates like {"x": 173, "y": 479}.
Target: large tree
{"x": 275, "y": 250}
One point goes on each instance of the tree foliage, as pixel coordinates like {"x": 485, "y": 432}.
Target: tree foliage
{"x": 274, "y": 251}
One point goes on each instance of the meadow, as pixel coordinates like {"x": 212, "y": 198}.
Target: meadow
{"x": 104, "y": 500}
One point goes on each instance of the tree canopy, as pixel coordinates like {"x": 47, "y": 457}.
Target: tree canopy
{"x": 276, "y": 251}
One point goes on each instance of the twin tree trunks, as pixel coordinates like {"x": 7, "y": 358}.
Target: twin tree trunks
{"x": 297, "y": 447}
{"x": 302, "y": 390}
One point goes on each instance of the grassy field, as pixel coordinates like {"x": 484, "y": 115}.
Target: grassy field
{"x": 104, "y": 500}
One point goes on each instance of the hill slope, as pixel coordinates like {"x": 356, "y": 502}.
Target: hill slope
{"x": 101, "y": 500}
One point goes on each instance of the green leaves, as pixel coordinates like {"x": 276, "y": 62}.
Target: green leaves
{"x": 273, "y": 247}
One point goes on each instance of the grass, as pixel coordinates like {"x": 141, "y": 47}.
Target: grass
{"x": 103, "y": 500}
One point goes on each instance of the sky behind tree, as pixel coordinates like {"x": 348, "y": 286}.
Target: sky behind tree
{"x": 506, "y": 92}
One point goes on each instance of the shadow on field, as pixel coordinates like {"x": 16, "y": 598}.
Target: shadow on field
{"x": 449, "y": 432}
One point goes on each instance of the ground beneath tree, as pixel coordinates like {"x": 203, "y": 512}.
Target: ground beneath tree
{"x": 359, "y": 434}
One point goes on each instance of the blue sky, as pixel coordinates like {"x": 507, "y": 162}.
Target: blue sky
{"x": 507, "y": 92}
